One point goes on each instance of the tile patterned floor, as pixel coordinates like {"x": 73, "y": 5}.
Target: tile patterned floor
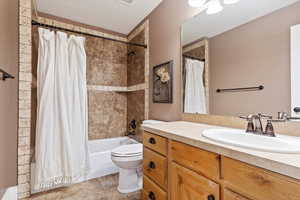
{"x": 104, "y": 188}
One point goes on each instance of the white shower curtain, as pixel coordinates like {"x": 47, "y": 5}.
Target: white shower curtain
{"x": 61, "y": 133}
{"x": 194, "y": 101}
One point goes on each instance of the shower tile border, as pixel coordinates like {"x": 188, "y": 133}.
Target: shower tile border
{"x": 116, "y": 88}
{"x": 24, "y": 104}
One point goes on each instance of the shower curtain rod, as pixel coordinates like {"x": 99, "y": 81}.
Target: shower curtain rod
{"x": 35, "y": 23}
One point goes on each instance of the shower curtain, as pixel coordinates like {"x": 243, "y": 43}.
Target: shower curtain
{"x": 194, "y": 100}
{"x": 61, "y": 134}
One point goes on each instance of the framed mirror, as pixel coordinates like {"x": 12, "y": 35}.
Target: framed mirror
{"x": 243, "y": 59}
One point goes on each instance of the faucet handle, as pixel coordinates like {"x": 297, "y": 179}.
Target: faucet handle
{"x": 250, "y": 125}
{"x": 248, "y": 118}
{"x": 270, "y": 129}
{"x": 265, "y": 116}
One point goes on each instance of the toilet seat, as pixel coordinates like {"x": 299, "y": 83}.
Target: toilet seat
{"x": 129, "y": 159}
{"x": 131, "y": 150}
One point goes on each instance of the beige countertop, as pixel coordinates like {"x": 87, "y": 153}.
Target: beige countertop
{"x": 191, "y": 133}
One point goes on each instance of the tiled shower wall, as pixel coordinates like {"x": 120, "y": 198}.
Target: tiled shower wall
{"x": 136, "y": 76}
{"x": 106, "y": 66}
{"x": 109, "y": 71}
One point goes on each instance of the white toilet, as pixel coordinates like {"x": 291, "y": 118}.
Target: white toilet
{"x": 129, "y": 159}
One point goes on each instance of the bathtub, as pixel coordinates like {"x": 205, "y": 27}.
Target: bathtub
{"x": 100, "y": 158}
{"x": 9, "y": 193}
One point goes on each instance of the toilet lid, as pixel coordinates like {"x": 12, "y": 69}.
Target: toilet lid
{"x": 128, "y": 150}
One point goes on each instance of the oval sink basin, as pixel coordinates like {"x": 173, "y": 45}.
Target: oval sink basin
{"x": 239, "y": 138}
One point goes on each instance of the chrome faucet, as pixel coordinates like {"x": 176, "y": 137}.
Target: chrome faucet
{"x": 255, "y": 125}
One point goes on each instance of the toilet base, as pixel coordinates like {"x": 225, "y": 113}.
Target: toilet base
{"x": 130, "y": 180}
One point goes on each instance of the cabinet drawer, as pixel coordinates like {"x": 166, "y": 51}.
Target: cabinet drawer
{"x": 189, "y": 185}
{"x": 258, "y": 183}
{"x": 155, "y": 167}
{"x": 155, "y": 142}
{"x": 152, "y": 192}
{"x": 204, "y": 162}
{"x": 229, "y": 195}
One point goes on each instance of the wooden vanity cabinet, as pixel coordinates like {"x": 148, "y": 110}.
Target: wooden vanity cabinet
{"x": 258, "y": 183}
{"x": 189, "y": 185}
{"x": 155, "y": 167}
{"x": 151, "y": 191}
{"x": 229, "y": 195}
{"x": 200, "y": 161}
{"x": 184, "y": 172}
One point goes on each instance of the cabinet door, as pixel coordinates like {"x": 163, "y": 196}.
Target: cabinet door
{"x": 152, "y": 192}
{"x": 8, "y": 92}
{"x": 229, "y": 195}
{"x": 155, "y": 166}
{"x": 189, "y": 185}
{"x": 258, "y": 183}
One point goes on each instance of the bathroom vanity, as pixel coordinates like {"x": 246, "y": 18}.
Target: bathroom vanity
{"x": 181, "y": 164}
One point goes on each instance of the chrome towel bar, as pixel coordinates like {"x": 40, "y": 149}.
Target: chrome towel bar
{"x": 244, "y": 89}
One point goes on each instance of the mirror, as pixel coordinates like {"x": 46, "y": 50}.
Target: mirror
{"x": 238, "y": 61}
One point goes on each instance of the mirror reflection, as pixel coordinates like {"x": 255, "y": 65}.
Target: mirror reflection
{"x": 242, "y": 55}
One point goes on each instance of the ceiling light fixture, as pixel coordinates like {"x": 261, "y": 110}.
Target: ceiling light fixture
{"x": 197, "y": 3}
{"x": 214, "y": 6}
{"x": 211, "y": 6}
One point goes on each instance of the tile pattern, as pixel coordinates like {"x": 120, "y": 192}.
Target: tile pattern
{"x": 137, "y": 71}
{"x": 107, "y": 114}
{"x": 198, "y": 52}
{"x": 106, "y": 62}
{"x": 136, "y": 111}
{"x": 104, "y": 188}
{"x": 106, "y": 71}
{"x": 131, "y": 37}
{"x": 136, "y": 61}
{"x": 116, "y": 88}
{"x": 25, "y": 81}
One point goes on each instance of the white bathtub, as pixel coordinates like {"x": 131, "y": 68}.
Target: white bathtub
{"x": 9, "y": 193}
{"x": 100, "y": 158}
{"x": 100, "y": 155}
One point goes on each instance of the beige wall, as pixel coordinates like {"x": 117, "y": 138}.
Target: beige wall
{"x": 8, "y": 92}
{"x": 257, "y": 53}
{"x": 165, "y": 22}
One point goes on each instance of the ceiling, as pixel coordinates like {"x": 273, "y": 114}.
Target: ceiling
{"x": 108, "y": 14}
{"x": 204, "y": 25}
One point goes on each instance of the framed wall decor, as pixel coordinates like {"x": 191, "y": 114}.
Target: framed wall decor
{"x": 163, "y": 83}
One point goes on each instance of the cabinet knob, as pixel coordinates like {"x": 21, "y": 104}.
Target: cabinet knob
{"x": 297, "y": 109}
{"x": 151, "y": 196}
{"x": 210, "y": 197}
{"x": 151, "y": 165}
{"x": 152, "y": 141}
